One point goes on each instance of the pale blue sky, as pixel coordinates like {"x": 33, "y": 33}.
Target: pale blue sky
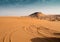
{"x": 26, "y": 7}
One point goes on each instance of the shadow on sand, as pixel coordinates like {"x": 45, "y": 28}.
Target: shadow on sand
{"x": 37, "y": 39}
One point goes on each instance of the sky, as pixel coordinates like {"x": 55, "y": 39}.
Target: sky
{"x": 27, "y": 7}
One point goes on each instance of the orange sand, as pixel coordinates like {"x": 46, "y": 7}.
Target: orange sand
{"x": 23, "y": 29}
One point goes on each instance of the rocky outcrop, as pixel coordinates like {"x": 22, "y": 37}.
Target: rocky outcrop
{"x": 37, "y": 14}
{"x": 41, "y": 16}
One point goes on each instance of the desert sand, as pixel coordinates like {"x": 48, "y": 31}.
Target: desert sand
{"x": 29, "y": 29}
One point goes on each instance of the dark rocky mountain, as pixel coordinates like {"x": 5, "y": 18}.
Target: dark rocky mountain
{"x": 40, "y": 15}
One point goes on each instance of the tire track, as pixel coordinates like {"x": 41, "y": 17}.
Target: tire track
{"x": 41, "y": 31}
{"x": 8, "y": 35}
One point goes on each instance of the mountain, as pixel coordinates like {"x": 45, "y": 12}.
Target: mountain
{"x": 40, "y": 15}
{"x": 37, "y": 14}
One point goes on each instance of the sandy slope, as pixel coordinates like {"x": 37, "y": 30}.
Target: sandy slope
{"x": 24, "y": 29}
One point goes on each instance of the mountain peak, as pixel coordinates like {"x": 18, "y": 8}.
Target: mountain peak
{"x": 40, "y": 15}
{"x": 37, "y": 14}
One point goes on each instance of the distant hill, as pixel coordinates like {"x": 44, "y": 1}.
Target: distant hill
{"x": 40, "y": 15}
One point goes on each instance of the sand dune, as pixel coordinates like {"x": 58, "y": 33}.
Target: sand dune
{"x": 28, "y": 29}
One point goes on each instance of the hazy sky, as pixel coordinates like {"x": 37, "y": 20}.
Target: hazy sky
{"x": 26, "y": 7}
